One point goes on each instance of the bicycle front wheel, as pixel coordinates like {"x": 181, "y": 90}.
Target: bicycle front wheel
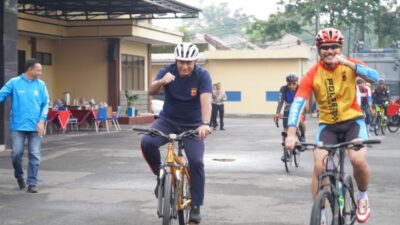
{"x": 324, "y": 200}
{"x": 288, "y": 160}
{"x": 296, "y": 156}
{"x": 168, "y": 200}
{"x": 349, "y": 210}
{"x": 384, "y": 125}
{"x": 377, "y": 124}
{"x": 185, "y": 197}
{"x": 393, "y": 123}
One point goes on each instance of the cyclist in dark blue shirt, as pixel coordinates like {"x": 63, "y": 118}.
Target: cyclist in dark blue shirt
{"x": 187, "y": 105}
{"x": 286, "y": 97}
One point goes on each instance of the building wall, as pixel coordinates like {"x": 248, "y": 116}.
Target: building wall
{"x": 42, "y": 45}
{"x": 49, "y": 71}
{"x": 130, "y": 47}
{"x": 82, "y": 69}
{"x": 135, "y": 48}
{"x": 252, "y": 78}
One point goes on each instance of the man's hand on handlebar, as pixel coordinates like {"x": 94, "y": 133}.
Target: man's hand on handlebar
{"x": 291, "y": 138}
{"x": 203, "y": 131}
{"x": 277, "y": 116}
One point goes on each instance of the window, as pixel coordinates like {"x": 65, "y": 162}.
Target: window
{"x": 272, "y": 96}
{"x": 233, "y": 96}
{"x": 132, "y": 74}
{"x": 44, "y": 58}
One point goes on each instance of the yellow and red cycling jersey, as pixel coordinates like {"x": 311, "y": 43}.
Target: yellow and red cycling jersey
{"x": 335, "y": 92}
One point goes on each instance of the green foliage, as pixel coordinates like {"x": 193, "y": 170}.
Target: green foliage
{"x": 131, "y": 98}
{"x": 377, "y": 19}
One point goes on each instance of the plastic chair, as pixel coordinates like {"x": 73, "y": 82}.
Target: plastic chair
{"x": 115, "y": 117}
{"x": 101, "y": 117}
{"x": 73, "y": 122}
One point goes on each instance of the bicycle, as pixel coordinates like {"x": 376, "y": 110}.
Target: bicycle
{"x": 380, "y": 120}
{"x": 290, "y": 156}
{"x": 336, "y": 195}
{"x": 393, "y": 114}
{"x": 174, "y": 196}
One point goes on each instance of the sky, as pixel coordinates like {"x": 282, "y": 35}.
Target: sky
{"x": 261, "y": 9}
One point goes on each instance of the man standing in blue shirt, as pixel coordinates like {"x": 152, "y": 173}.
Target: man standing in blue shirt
{"x": 28, "y": 114}
{"x": 187, "y": 105}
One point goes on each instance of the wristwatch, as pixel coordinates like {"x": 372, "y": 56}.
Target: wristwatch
{"x": 205, "y": 122}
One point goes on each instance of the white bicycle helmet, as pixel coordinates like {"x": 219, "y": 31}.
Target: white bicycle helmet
{"x": 186, "y": 52}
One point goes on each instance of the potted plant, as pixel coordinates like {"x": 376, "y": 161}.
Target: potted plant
{"x": 131, "y": 111}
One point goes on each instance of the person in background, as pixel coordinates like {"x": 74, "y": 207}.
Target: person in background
{"x": 365, "y": 102}
{"x": 29, "y": 108}
{"x": 218, "y": 98}
{"x": 214, "y": 111}
{"x": 57, "y": 104}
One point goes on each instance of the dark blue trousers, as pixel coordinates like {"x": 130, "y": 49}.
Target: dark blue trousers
{"x": 194, "y": 150}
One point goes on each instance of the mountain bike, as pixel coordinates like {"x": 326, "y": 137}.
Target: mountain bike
{"x": 336, "y": 190}
{"x": 174, "y": 197}
{"x": 290, "y": 156}
{"x": 393, "y": 114}
{"x": 380, "y": 120}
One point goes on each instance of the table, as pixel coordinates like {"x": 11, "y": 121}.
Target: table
{"x": 84, "y": 115}
{"x": 60, "y": 118}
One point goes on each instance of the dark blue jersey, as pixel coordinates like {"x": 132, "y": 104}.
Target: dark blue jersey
{"x": 182, "y": 96}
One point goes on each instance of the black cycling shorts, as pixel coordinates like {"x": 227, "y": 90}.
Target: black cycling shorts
{"x": 345, "y": 131}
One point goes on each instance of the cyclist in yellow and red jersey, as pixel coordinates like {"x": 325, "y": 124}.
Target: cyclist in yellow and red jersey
{"x": 333, "y": 81}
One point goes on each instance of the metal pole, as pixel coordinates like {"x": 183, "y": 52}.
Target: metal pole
{"x": 317, "y": 25}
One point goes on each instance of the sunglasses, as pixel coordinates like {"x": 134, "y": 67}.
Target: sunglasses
{"x": 327, "y": 47}
{"x": 292, "y": 83}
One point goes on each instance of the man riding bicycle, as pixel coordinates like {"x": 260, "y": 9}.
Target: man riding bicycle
{"x": 381, "y": 95}
{"x": 365, "y": 101}
{"x": 333, "y": 81}
{"x": 286, "y": 96}
{"x": 187, "y": 106}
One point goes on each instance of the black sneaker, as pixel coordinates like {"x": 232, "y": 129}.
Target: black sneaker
{"x": 222, "y": 128}
{"x": 156, "y": 189}
{"x": 302, "y": 139}
{"x": 21, "y": 183}
{"x": 195, "y": 216}
{"x": 32, "y": 189}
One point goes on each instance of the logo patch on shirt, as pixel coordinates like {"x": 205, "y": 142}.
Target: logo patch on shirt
{"x": 193, "y": 92}
{"x": 344, "y": 78}
{"x": 36, "y": 92}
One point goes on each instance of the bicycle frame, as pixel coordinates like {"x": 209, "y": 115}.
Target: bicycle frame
{"x": 335, "y": 174}
{"x": 177, "y": 166}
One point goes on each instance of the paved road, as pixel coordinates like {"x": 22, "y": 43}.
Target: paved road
{"x": 101, "y": 179}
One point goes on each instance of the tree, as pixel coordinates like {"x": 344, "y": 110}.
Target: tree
{"x": 375, "y": 17}
{"x": 217, "y": 20}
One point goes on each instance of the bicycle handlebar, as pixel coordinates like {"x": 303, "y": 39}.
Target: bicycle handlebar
{"x": 356, "y": 145}
{"x": 170, "y": 137}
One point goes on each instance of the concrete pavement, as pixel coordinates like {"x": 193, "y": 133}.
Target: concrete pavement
{"x": 102, "y": 179}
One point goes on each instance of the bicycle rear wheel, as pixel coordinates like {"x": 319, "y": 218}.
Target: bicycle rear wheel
{"x": 324, "y": 200}
{"x": 349, "y": 210}
{"x": 168, "y": 200}
{"x": 377, "y": 124}
{"x": 393, "y": 123}
{"x": 289, "y": 160}
{"x": 183, "y": 215}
